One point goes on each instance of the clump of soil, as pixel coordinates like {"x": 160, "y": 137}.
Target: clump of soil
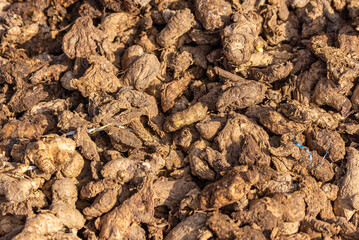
{"x": 169, "y": 120}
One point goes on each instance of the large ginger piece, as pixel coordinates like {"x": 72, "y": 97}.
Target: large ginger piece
{"x": 239, "y": 38}
{"x": 326, "y": 93}
{"x": 348, "y": 198}
{"x": 242, "y": 95}
{"x": 231, "y": 139}
{"x": 233, "y": 187}
{"x": 137, "y": 209}
{"x": 63, "y": 215}
{"x": 18, "y": 190}
{"x": 31, "y": 128}
{"x": 39, "y": 227}
{"x": 55, "y": 153}
{"x": 101, "y": 76}
{"x": 82, "y": 39}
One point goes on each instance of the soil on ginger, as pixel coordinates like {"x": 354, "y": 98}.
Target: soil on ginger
{"x": 202, "y": 119}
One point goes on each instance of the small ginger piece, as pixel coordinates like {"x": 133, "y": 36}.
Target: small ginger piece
{"x": 243, "y": 95}
{"x": 209, "y": 128}
{"x": 194, "y": 113}
{"x": 178, "y": 25}
{"x": 123, "y": 139}
{"x": 88, "y": 147}
{"x": 26, "y": 97}
{"x": 275, "y": 121}
{"x": 95, "y": 187}
{"x": 308, "y": 114}
{"x": 170, "y": 193}
{"x": 198, "y": 165}
{"x": 231, "y": 138}
{"x": 225, "y": 228}
{"x": 277, "y": 27}
{"x": 251, "y": 153}
{"x": 116, "y": 23}
{"x": 323, "y": 140}
{"x": 273, "y": 73}
{"x": 213, "y": 14}
{"x": 341, "y": 67}
{"x": 125, "y": 169}
{"x": 142, "y": 72}
{"x": 172, "y": 90}
{"x": 269, "y": 213}
{"x": 130, "y": 55}
{"x": 102, "y": 204}
{"x": 68, "y": 215}
{"x": 179, "y": 62}
{"x": 306, "y": 81}
{"x": 190, "y": 228}
{"x": 326, "y": 93}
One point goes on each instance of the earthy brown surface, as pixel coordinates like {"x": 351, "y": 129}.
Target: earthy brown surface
{"x": 203, "y": 119}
